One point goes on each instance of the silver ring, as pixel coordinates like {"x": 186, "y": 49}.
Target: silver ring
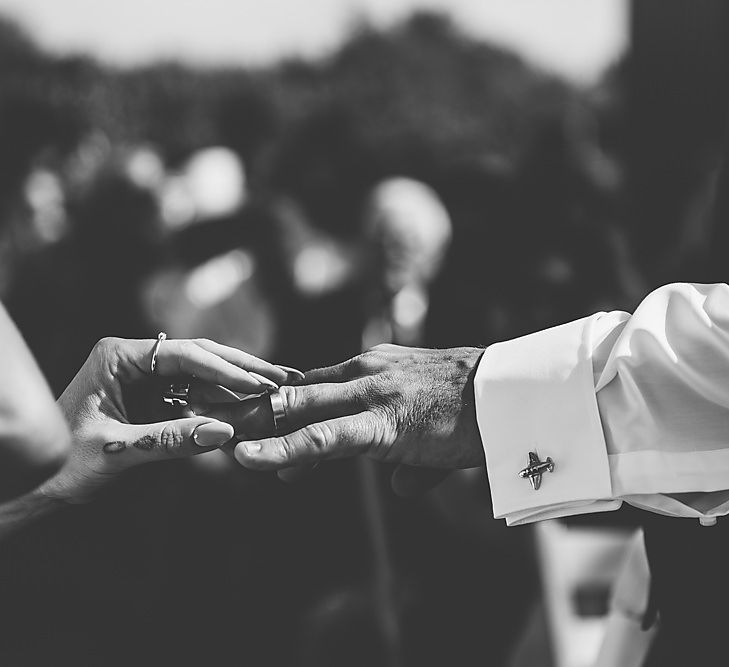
{"x": 155, "y": 351}
{"x": 278, "y": 410}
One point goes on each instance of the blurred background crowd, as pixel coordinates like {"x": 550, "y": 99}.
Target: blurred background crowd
{"x": 417, "y": 185}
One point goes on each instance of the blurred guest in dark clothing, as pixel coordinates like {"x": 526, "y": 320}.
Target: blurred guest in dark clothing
{"x": 89, "y": 284}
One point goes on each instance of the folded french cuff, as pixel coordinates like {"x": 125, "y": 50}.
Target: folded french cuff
{"x": 536, "y": 394}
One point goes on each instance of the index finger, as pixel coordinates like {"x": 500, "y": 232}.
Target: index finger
{"x": 242, "y": 359}
{"x": 184, "y": 357}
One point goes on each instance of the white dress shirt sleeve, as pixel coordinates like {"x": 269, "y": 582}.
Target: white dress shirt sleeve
{"x": 630, "y": 409}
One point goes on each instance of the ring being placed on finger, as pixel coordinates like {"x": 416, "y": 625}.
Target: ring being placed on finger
{"x": 155, "y": 351}
{"x": 177, "y": 395}
{"x": 280, "y": 419}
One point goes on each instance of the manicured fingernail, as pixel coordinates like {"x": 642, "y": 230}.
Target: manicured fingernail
{"x": 212, "y": 434}
{"x": 299, "y": 375}
{"x": 253, "y": 448}
{"x": 263, "y": 380}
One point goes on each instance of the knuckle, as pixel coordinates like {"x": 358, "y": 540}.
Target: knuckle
{"x": 318, "y": 438}
{"x": 107, "y": 346}
{"x": 202, "y": 342}
{"x": 170, "y": 439}
{"x": 369, "y": 390}
{"x": 291, "y": 396}
{"x": 389, "y": 411}
{"x": 356, "y": 364}
{"x": 105, "y": 357}
{"x": 383, "y": 430}
{"x": 185, "y": 355}
{"x": 367, "y": 363}
{"x": 380, "y": 389}
{"x": 287, "y": 450}
{"x": 388, "y": 401}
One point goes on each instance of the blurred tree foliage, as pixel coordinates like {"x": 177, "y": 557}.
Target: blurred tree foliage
{"x": 528, "y": 166}
{"x": 414, "y": 95}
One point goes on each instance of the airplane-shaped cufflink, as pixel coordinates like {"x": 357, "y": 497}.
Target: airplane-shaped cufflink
{"x": 535, "y": 469}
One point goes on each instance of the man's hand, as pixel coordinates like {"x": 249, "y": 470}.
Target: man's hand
{"x": 395, "y": 404}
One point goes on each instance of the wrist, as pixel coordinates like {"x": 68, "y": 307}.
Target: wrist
{"x": 471, "y": 359}
{"x": 69, "y": 487}
{"x": 27, "y": 509}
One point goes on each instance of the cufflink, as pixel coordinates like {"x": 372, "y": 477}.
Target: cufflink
{"x": 535, "y": 468}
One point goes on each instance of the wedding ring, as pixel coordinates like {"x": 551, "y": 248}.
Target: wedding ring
{"x": 177, "y": 395}
{"x": 155, "y": 351}
{"x": 278, "y": 410}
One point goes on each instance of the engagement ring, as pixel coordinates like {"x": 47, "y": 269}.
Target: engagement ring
{"x": 155, "y": 351}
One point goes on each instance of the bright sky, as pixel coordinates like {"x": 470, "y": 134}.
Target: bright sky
{"x": 577, "y": 38}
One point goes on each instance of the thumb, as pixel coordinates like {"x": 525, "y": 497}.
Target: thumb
{"x": 177, "y": 438}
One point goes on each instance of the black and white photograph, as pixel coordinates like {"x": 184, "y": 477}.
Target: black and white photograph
{"x": 364, "y": 333}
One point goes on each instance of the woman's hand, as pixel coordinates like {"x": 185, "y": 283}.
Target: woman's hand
{"x": 118, "y": 419}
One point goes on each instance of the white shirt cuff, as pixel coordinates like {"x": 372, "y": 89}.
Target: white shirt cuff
{"x": 536, "y": 394}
